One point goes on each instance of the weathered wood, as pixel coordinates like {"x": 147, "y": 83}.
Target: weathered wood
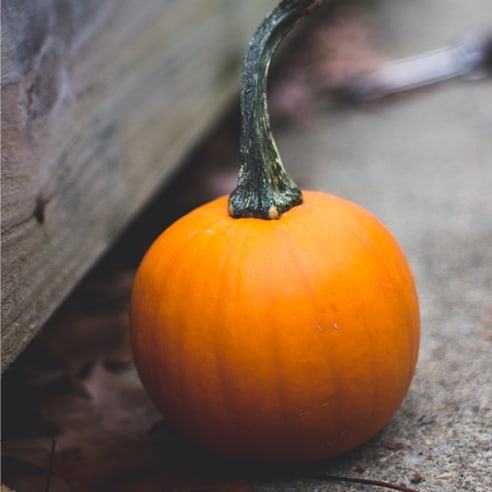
{"x": 101, "y": 100}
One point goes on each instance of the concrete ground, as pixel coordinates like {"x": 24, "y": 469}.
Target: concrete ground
{"x": 422, "y": 163}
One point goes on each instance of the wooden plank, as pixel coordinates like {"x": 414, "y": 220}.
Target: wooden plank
{"x": 101, "y": 100}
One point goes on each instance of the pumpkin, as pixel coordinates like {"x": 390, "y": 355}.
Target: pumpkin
{"x": 275, "y": 325}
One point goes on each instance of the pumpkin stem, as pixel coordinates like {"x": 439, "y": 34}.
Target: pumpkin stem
{"x": 264, "y": 190}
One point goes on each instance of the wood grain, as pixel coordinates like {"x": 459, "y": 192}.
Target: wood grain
{"x": 101, "y": 101}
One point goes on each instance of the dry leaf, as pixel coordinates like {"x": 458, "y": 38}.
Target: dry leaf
{"x": 101, "y": 437}
{"x": 392, "y": 445}
{"x": 115, "y": 440}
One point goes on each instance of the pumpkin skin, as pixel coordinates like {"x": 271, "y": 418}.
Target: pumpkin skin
{"x": 276, "y": 341}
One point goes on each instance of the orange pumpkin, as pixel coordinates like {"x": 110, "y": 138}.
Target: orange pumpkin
{"x": 280, "y": 341}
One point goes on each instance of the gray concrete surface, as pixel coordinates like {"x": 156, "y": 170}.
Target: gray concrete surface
{"x": 423, "y": 164}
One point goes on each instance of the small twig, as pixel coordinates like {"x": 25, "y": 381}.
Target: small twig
{"x": 364, "y": 481}
{"x": 50, "y": 465}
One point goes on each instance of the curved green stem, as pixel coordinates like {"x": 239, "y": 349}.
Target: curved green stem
{"x": 264, "y": 190}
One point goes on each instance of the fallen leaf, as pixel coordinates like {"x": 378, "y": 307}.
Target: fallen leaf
{"x": 101, "y": 437}
{"x": 334, "y": 51}
{"x": 417, "y": 478}
{"x": 115, "y": 440}
{"x": 22, "y": 475}
{"x": 392, "y": 445}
